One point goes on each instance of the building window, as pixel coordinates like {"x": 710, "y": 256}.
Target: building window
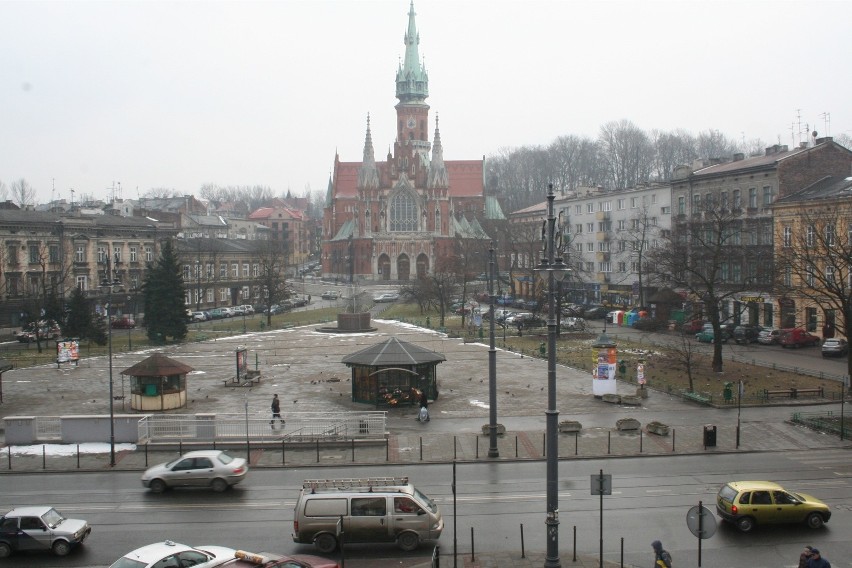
{"x": 255, "y": 270}
{"x": 590, "y": 227}
{"x": 102, "y": 255}
{"x": 621, "y": 225}
{"x": 590, "y": 247}
{"x": 829, "y": 274}
{"x": 607, "y": 206}
{"x": 246, "y": 293}
{"x": 53, "y": 253}
{"x": 696, "y": 203}
{"x": 752, "y": 198}
{"x": 788, "y": 237}
{"x": 80, "y": 253}
{"x": 590, "y": 207}
{"x": 605, "y": 267}
{"x": 223, "y": 270}
{"x": 403, "y": 212}
{"x": 187, "y": 272}
{"x": 235, "y": 270}
{"x": 810, "y": 236}
{"x": 809, "y": 276}
{"x": 634, "y": 202}
{"x": 830, "y": 235}
{"x": 621, "y": 204}
{"x": 134, "y": 253}
{"x": 603, "y": 246}
{"x": 653, "y": 199}
{"x": 681, "y": 205}
{"x": 245, "y": 270}
{"x": 116, "y": 254}
{"x": 34, "y": 255}
{"x": 211, "y": 295}
{"x": 12, "y": 254}
{"x": 788, "y": 276}
{"x": 767, "y": 195}
{"x": 82, "y": 283}
{"x": 578, "y": 209}
{"x": 578, "y": 247}
{"x": 579, "y": 228}
{"x": 622, "y": 246}
{"x": 590, "y": 267}
{"x": 622, "y": 266}
{"x": 738, "y": 200}
{"x": 209, "y": 270}
{"x": 723, "y": 200}
{"x": 149, "y": 254}
{"x": 223, "y": 294}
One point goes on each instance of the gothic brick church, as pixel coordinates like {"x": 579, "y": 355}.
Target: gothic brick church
{"x": 392, "y": 219}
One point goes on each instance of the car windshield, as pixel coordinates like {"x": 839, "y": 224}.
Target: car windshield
{"x": 52, "y": 518}
{"x": 425, "y": 500}
{"x": 127, "y": 563}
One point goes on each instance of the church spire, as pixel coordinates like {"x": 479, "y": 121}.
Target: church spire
{"x": 412, "y": 81}
{"x": 368, "y": 174}
{"x": 438, "y": 178}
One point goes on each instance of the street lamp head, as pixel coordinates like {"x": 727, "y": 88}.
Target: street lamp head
{"x": 560, "y": 269}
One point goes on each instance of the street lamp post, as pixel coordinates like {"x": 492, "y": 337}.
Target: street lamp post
{"x": 493, "y": 452}
{"x": 554, "y": 269}
{"x": 110, "y": 279}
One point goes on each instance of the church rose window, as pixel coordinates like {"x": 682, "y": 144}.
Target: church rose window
{"x": 403, "y": 213}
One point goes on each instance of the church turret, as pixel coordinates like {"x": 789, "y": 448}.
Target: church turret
{"x": 368, "y": 174}
{"x": 438, "y": 178}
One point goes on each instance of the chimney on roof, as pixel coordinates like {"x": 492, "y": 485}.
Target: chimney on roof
{"x": 774, "y": 149}
{"x": 715, "y": 161}
{"x": 698, "y": 163}
{"x": 739, "y": 156}
{"x": 803, "y": 145}
{"x": 824, "y": 139}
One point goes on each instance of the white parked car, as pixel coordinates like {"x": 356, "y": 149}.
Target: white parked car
{"x": 386, "y": 297}
{"x": 248, "y": 309}
{"x": 168, "y": 554}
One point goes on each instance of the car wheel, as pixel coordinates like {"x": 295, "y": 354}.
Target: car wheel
{"x": 5, "y": 550}
{"x": 325, "y": 543}
{"x": 745, "y": 524}
{"x": 219, "y": 485}
{"x": 814, "y": 521}
{"x": 157, "y": 486}
{"x": 61, "y": 548}
{"x": 408, "y": 541}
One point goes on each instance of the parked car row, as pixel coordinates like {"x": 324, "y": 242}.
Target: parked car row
{"x": 46, "y": 330}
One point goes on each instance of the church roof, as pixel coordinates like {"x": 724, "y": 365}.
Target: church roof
{"x": 465, "y": 178}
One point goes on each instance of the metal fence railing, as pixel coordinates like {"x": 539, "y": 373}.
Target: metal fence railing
{"x": 299, "y": 426}
{"x": 829, "y": 422}
{"x": 48, "y": 428}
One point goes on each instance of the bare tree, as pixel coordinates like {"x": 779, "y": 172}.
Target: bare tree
{"x": 671, "y": 149}
{"x": 627, "y": 153}
{"x": 714, "y": 256}
{"x": 22, "y": 193}
{"x": 161, "y": 193}
{"x": 686, "y": 356}
{"x": 714, "y": 144}
{"x": 641, "y": 235}
{"x": 272, "y": 265}
{"x": 4, "y": 191}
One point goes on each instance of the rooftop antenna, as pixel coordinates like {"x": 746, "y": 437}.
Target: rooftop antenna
{"x": 799, "y": 122}
{"x": 72, "y": 198}
{"x": 826, "y": 118}
{"x": 52, "y": 188}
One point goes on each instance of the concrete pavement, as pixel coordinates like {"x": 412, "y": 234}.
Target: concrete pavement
{"x": 303, "y": 366}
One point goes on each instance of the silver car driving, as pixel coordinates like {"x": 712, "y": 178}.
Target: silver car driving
{"x": 40, "y": 528}
{"x": 202, "y": 468}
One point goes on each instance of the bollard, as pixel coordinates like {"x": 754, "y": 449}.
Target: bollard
{"x": 421, "y": 448}
{"x": 387, "y": 449}
{"x": 640, "y": 441}
{"x": 608, "y": 441}
{"x": 146, "y": 454}
{"x": 516, "y": 445}
{"x": 544, "y": 445}
{"x": 9, "y": 456}
{"x": 472, "y": 546}
{"x": 523, "y": 552}
{"x": 455, "y": 454}
{"x": 283, "y": 453}
{"x": 318, "y": 452}
{"x": 43, "y": 456}
{"x": 575, "y": 543}
{"x": 576, "y": 443}
{"x": 477, "y": 447}
{"x": 353, "y": 449}
{"x": 78, "y": 456}
{"x": 673, "y": 439}
{"x": 622, "y": 552}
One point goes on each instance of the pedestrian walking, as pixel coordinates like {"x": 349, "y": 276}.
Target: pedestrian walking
{"x": 276, "y": 411}
{"x": 423, "y": 416}
{"x": 817, "y": 561}
{"x": 805, "y": 556}
{"x": 662, "y": 559}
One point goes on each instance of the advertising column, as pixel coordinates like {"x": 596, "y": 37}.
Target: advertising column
{"x": 603, "y": 376}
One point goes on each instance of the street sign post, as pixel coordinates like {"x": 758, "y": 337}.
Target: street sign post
{"x": 701, "y": 523}
{"x": 601, "y": 485}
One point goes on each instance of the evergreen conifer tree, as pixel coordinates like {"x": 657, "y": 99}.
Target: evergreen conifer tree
{"x": 164, "y": 290}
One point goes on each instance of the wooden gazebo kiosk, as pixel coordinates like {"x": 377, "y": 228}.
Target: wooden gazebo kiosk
{"x": 390, "y": 373}
{"x": 157, "y": 383}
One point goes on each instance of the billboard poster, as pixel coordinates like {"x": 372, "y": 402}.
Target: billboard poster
{"x": 67, "y": 351}
{"x": 242, "y": 362}
{"x": 604, "y": 372}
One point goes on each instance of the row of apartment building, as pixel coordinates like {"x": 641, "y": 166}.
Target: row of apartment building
{"x": 607, "y": 229}
{"x": 46, "y": 254}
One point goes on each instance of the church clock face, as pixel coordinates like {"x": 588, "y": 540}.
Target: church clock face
{"x": 411, "y": 122}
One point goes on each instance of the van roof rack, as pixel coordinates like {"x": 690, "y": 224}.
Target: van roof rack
{"x": 347, "y": 482}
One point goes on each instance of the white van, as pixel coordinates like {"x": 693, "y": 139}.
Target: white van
{"x": 372, "y": 509}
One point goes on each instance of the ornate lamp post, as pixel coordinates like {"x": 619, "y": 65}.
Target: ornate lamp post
{"x": 109, "y": 281}
{"x": 493, "y": 452}
{"x": 552, "y": 267}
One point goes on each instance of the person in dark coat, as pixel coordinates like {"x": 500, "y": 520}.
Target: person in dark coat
{"x": 276, "y": 411}
{"x": 662, "y": 559}
{"x": 817, "y": 561}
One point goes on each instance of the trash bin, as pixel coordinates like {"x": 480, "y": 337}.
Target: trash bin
{"x": 709, "y": 436}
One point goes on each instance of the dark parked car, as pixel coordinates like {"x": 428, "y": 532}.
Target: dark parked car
{"x": 123, "y": 323}
{"x": 747, "y": 333}
{"x": 598, "y": 312}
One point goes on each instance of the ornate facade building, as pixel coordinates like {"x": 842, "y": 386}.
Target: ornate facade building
{"x": 393, "y": 219}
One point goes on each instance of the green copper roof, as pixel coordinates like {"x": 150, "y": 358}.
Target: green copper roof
{"x": 492, "y": 208}
{"x": 412, "y": 81}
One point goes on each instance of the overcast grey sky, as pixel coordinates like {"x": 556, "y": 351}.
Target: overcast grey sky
{"x": 179, "y": 94}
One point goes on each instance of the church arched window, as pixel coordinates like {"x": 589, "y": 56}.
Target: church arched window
{"x": 403, "y": 213}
